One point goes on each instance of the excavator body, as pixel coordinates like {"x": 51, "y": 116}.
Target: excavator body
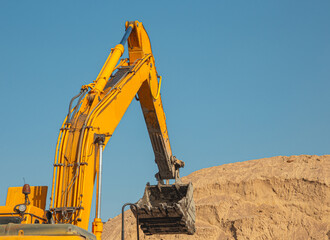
{"x": 164, "y": 209}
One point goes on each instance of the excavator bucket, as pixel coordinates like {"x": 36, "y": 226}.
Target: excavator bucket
{"x": 166, "y": 209}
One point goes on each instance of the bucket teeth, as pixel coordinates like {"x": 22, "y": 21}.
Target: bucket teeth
{"x": 167, "y": 209}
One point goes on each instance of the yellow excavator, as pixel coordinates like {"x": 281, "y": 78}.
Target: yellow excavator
{"x": 92, "y": 118}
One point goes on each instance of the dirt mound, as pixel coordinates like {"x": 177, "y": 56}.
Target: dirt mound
{"x": 270, "y": 198}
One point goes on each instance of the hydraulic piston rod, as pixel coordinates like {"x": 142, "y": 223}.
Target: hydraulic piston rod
{"x": 97, "y": 224}
{"x": 111, "y": 62}
{"x": 98, "y": 210}
{"x": 126, "y": 35}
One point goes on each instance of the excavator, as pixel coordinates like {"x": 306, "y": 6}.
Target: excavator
{"x": 93, "y": 115}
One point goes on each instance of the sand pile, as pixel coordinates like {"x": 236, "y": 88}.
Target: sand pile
{"x": 271, "y": 198}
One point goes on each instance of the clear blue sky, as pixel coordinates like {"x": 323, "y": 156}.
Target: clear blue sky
{"x": 241, "y": 80}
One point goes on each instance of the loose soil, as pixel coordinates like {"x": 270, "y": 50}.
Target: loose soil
{"x": 270, "y": 198}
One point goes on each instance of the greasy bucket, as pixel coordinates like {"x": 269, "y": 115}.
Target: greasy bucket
{"x": 167, "y": 209}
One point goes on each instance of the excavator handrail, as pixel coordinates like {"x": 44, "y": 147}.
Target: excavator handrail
{"x": 123, "y": 221}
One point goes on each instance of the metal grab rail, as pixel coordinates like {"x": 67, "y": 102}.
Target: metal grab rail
{"x": 123, "y": 222}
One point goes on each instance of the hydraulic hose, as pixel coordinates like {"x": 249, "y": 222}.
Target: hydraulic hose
{"x": 80, "y": 95}
{"x": 158, "y": 91}
{"x": 70, "y": 106}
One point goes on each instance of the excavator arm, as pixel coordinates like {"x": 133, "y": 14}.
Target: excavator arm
{"x": 91, "y": 123}
{"x": 151, "y": 104}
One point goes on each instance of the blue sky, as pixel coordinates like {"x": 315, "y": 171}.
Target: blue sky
{"x": 241, "y": 80}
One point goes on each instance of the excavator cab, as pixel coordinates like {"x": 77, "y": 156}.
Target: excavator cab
{"x": 166, "y": 209}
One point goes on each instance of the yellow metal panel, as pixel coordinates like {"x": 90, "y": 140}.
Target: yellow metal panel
{"x": 6, "y": 209}
{"x": 42, "y": 238}
{"x": 37, "y": 196}
{"x": 37, "y": 214}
